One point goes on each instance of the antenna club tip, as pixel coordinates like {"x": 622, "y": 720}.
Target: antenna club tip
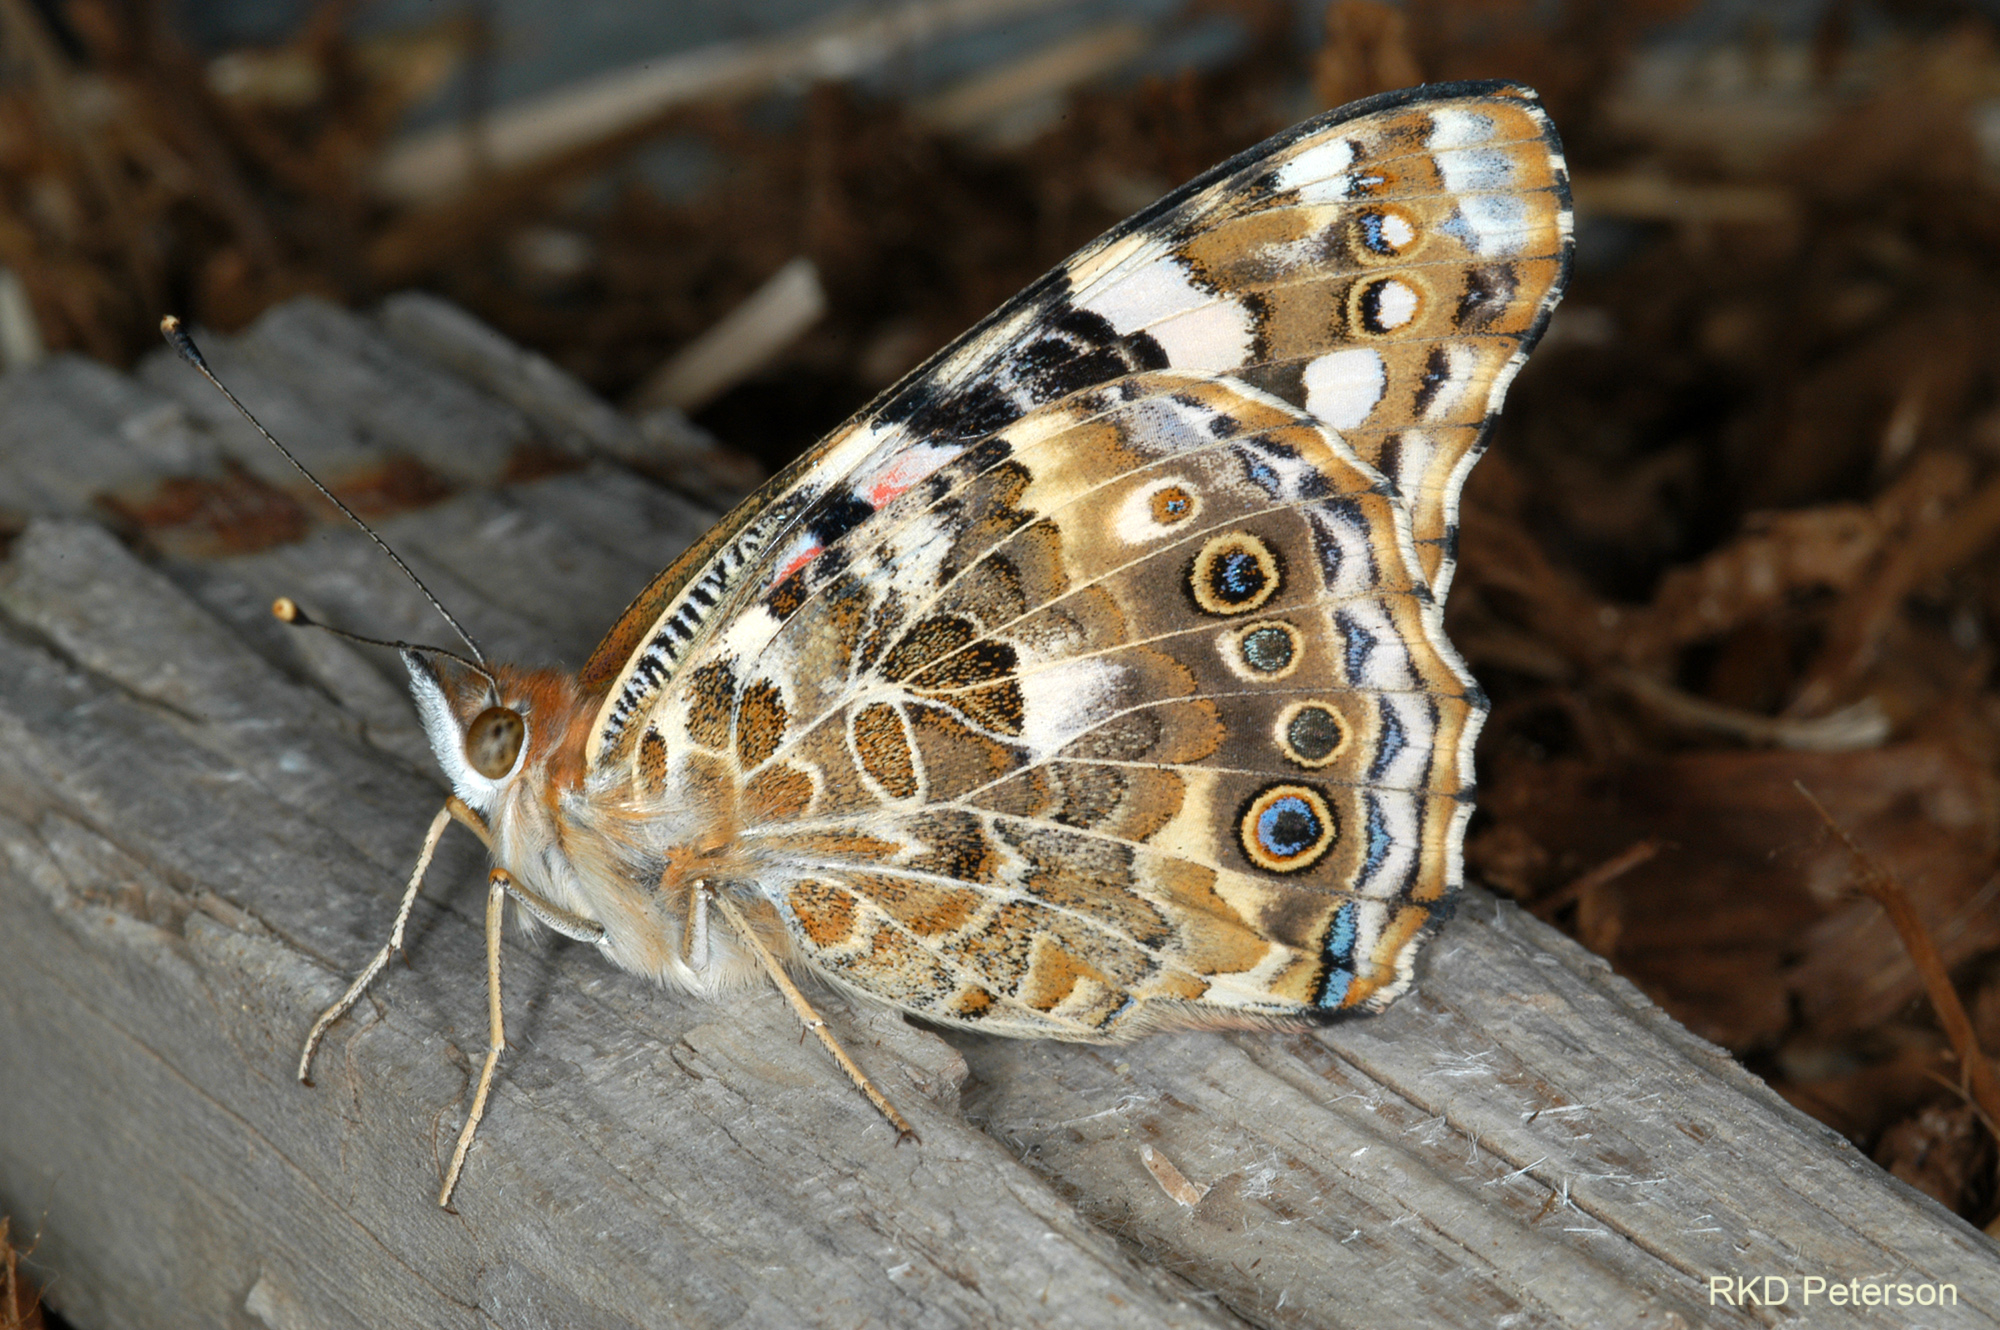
{"x": 286, "y": 610}
{"x": 177, "y": 337}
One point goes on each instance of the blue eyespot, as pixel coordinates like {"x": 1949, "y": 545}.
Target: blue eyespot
{"x": 1237, "y": 576}
{"x": 1234, "y": 574}
{"x": 1286, "y": 828}
{"x": 1268, "y": 648}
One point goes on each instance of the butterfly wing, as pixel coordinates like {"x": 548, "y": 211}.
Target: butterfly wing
{"x": 1095, "y": 679}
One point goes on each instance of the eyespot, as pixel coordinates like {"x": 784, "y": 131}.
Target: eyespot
{"x": 1234, "y": 574}
{"x": 1172, "y": 504}
{"x": 1156, "y": 510}
{"x": 1263, "y": 651}
{"x": 1385, "y": 232}
{"x": 1287, "y": 828}
{"x": 493, "y": 741}
{"x": 1384, "y": 305}
{"x": 1310, "y": 734}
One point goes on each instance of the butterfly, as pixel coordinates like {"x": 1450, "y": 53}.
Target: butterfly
{"x": 1093, "y": 680}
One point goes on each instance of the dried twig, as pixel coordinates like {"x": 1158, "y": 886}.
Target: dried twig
{"x": 1617, "y": 866}
{"x": 432, "y": 167}
{"x": 1978, "y": 1081}
{"x": 1863, "y": 725}
{"x": 1865, "y": 614}
{"x": 20, "y": 1300}
{"x": 790, "y": 301}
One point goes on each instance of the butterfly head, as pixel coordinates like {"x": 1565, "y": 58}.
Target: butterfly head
{"x": 497, "y": 735}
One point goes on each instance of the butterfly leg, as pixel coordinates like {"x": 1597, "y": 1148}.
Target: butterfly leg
{"x": 501, "y": 885}
{"x": 498, "y": 882}
{"x": 395, "y": 944}
{"x": 812, "y": 1019}
{"x": 694, "y": 933}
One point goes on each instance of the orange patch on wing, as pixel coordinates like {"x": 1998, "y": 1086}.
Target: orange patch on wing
{"x": 1177, "y": 985}
{"x": 955, "y": 845}
{"x": 957, "y": 757}
{"x": 653, "y": 762}
{"x": 999, "y": 954}
{"x": 969, "y": 1004}
{"x": 781, "y": 792}
{"x": 927, "y": 642}
{"x": 1053, "y": 976}
{"x": 825, "y": 912}
{"x": 1030, "y": 794}
{"x": 834, "y": 845}
{"x": 900, "y": 969}
{"x": 1152, "y": 799}
{"x": 919, "y": 907}
{"x": 996, "y": 706}
{"x": 707, "y": 782}
{"x": 761, "y": 719}
{"x": 1214, "y": 938}
{"x": 883, "y": 747}
{"x": 1297, "y": 981}
{"x": 711, "y": 695}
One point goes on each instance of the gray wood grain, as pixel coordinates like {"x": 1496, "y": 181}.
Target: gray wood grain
{"x": 204, "y": 824}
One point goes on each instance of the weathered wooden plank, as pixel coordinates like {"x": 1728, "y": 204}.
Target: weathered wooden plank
{"x": 204, "y": 822}
{"x": 662, "y": 443}
{"x": 331, "y": 443}
{"x": 673, "y": 1157}
{"x": 71, "y": 429}
{"x": 347, "y": 366}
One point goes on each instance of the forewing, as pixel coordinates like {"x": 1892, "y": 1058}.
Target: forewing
{"x": 1385, "y": 268}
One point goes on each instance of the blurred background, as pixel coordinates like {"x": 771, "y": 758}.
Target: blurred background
{"x": 1728, "y": 572}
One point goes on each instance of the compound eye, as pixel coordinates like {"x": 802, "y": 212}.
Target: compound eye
{"x": 493, "y": 741}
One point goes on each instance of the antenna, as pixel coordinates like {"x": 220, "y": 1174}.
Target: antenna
{"x": 177, "y": 338}
{"x": 286, "y": 610}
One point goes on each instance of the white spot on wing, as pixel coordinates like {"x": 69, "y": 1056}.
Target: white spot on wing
{"x": 1460, "y": 363}
{"x": 1317, "y": 163}
{"x": 1395, "y": 305}
{"x": 749, "y": 631}
{"x": 1196, "y": 328}
{"x": 1342, "y": 387}
{"x": 1454, "y": 128}
{"x": 1414, "y": 455}
{"x": 1062, "y": 701}
{"x": 1492, "y": 224}
{"x": 1479, "y": 170}
{"x": 1217, "y": 336}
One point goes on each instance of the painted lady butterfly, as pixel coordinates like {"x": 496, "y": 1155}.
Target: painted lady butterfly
{"x": 1093, "y": 681}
